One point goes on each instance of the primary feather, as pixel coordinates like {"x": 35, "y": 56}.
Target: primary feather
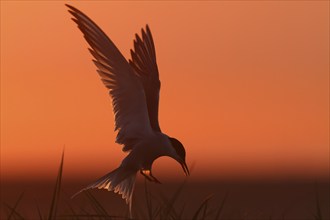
{"x": 144, "y": 63}
{"x": 125, "y": 88}
{"x": 134, "y": 88}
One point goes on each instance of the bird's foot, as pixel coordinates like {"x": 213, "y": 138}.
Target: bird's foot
{"x": 155, "y": 179}
{"x": 148, "y": 175}
{"x": 145, "y": 173}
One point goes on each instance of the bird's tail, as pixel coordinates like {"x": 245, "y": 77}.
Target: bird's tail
{"x": 120, "y": 180}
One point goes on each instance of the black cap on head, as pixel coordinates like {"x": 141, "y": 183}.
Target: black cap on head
{"x": 178, "y": 147}
{"x": 181, "y": 152}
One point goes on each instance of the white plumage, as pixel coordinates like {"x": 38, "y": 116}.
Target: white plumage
{"x": 134, "y": 88}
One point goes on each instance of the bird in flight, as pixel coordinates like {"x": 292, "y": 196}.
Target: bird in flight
{"x": 134, "y": 88}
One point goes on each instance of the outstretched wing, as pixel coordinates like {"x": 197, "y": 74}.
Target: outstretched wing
{"x": 144, "y": 63}
{"x": 128, "y": 97}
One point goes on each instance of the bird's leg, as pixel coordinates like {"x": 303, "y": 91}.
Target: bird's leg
{"x": 155, "y": 179}
{"x": 146, "y": 173}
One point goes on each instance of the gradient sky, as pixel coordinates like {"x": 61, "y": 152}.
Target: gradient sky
{"x": 244, "y": 87}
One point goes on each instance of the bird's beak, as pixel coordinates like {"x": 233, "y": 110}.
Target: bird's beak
{"x": 185, "y": 168}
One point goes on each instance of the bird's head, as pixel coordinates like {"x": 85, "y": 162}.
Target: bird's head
{"x": 180, "y": 154}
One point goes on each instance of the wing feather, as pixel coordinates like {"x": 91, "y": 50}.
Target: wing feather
{"x": 143, "y": 61}
{"x": 125, "y": 88}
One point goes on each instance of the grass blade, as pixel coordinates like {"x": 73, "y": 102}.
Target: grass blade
{"x": 56, "y": 194}
{"x": 204, "y": 212}
{"x": 170, "y": 203}
{"x": 92, "y": 216}
{"x": 221, "y": 206}
{"x": 203, "y": 205}
{"x": 318, "y": 215}
{"x": 71, "y": 210}
{"x": 158, "y": 211}
{"x": 97, "y": 206}
{"x": 181, "y": 212}
{"x": 13, "y": 210}
{"x": 148, "y": 200}
{"x": 39, "y": 211}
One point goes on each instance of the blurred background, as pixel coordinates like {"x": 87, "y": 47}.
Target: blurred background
{"x": 245, "y": 88}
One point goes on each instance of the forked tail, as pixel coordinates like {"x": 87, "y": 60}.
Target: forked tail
{"x": 120, "y": 180}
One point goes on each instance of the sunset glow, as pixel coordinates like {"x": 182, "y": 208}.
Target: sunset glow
{"x": 245, "y": 87}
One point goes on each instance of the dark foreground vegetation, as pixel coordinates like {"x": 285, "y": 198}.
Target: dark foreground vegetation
{"x": 175, "y": 203}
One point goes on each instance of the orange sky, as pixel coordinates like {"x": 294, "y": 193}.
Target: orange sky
{"x": 244, "y": 87}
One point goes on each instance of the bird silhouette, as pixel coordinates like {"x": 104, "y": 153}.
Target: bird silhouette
{"x": 134, "y": 88}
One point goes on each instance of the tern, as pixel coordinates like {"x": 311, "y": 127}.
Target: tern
{"x": 134, "y": 87}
